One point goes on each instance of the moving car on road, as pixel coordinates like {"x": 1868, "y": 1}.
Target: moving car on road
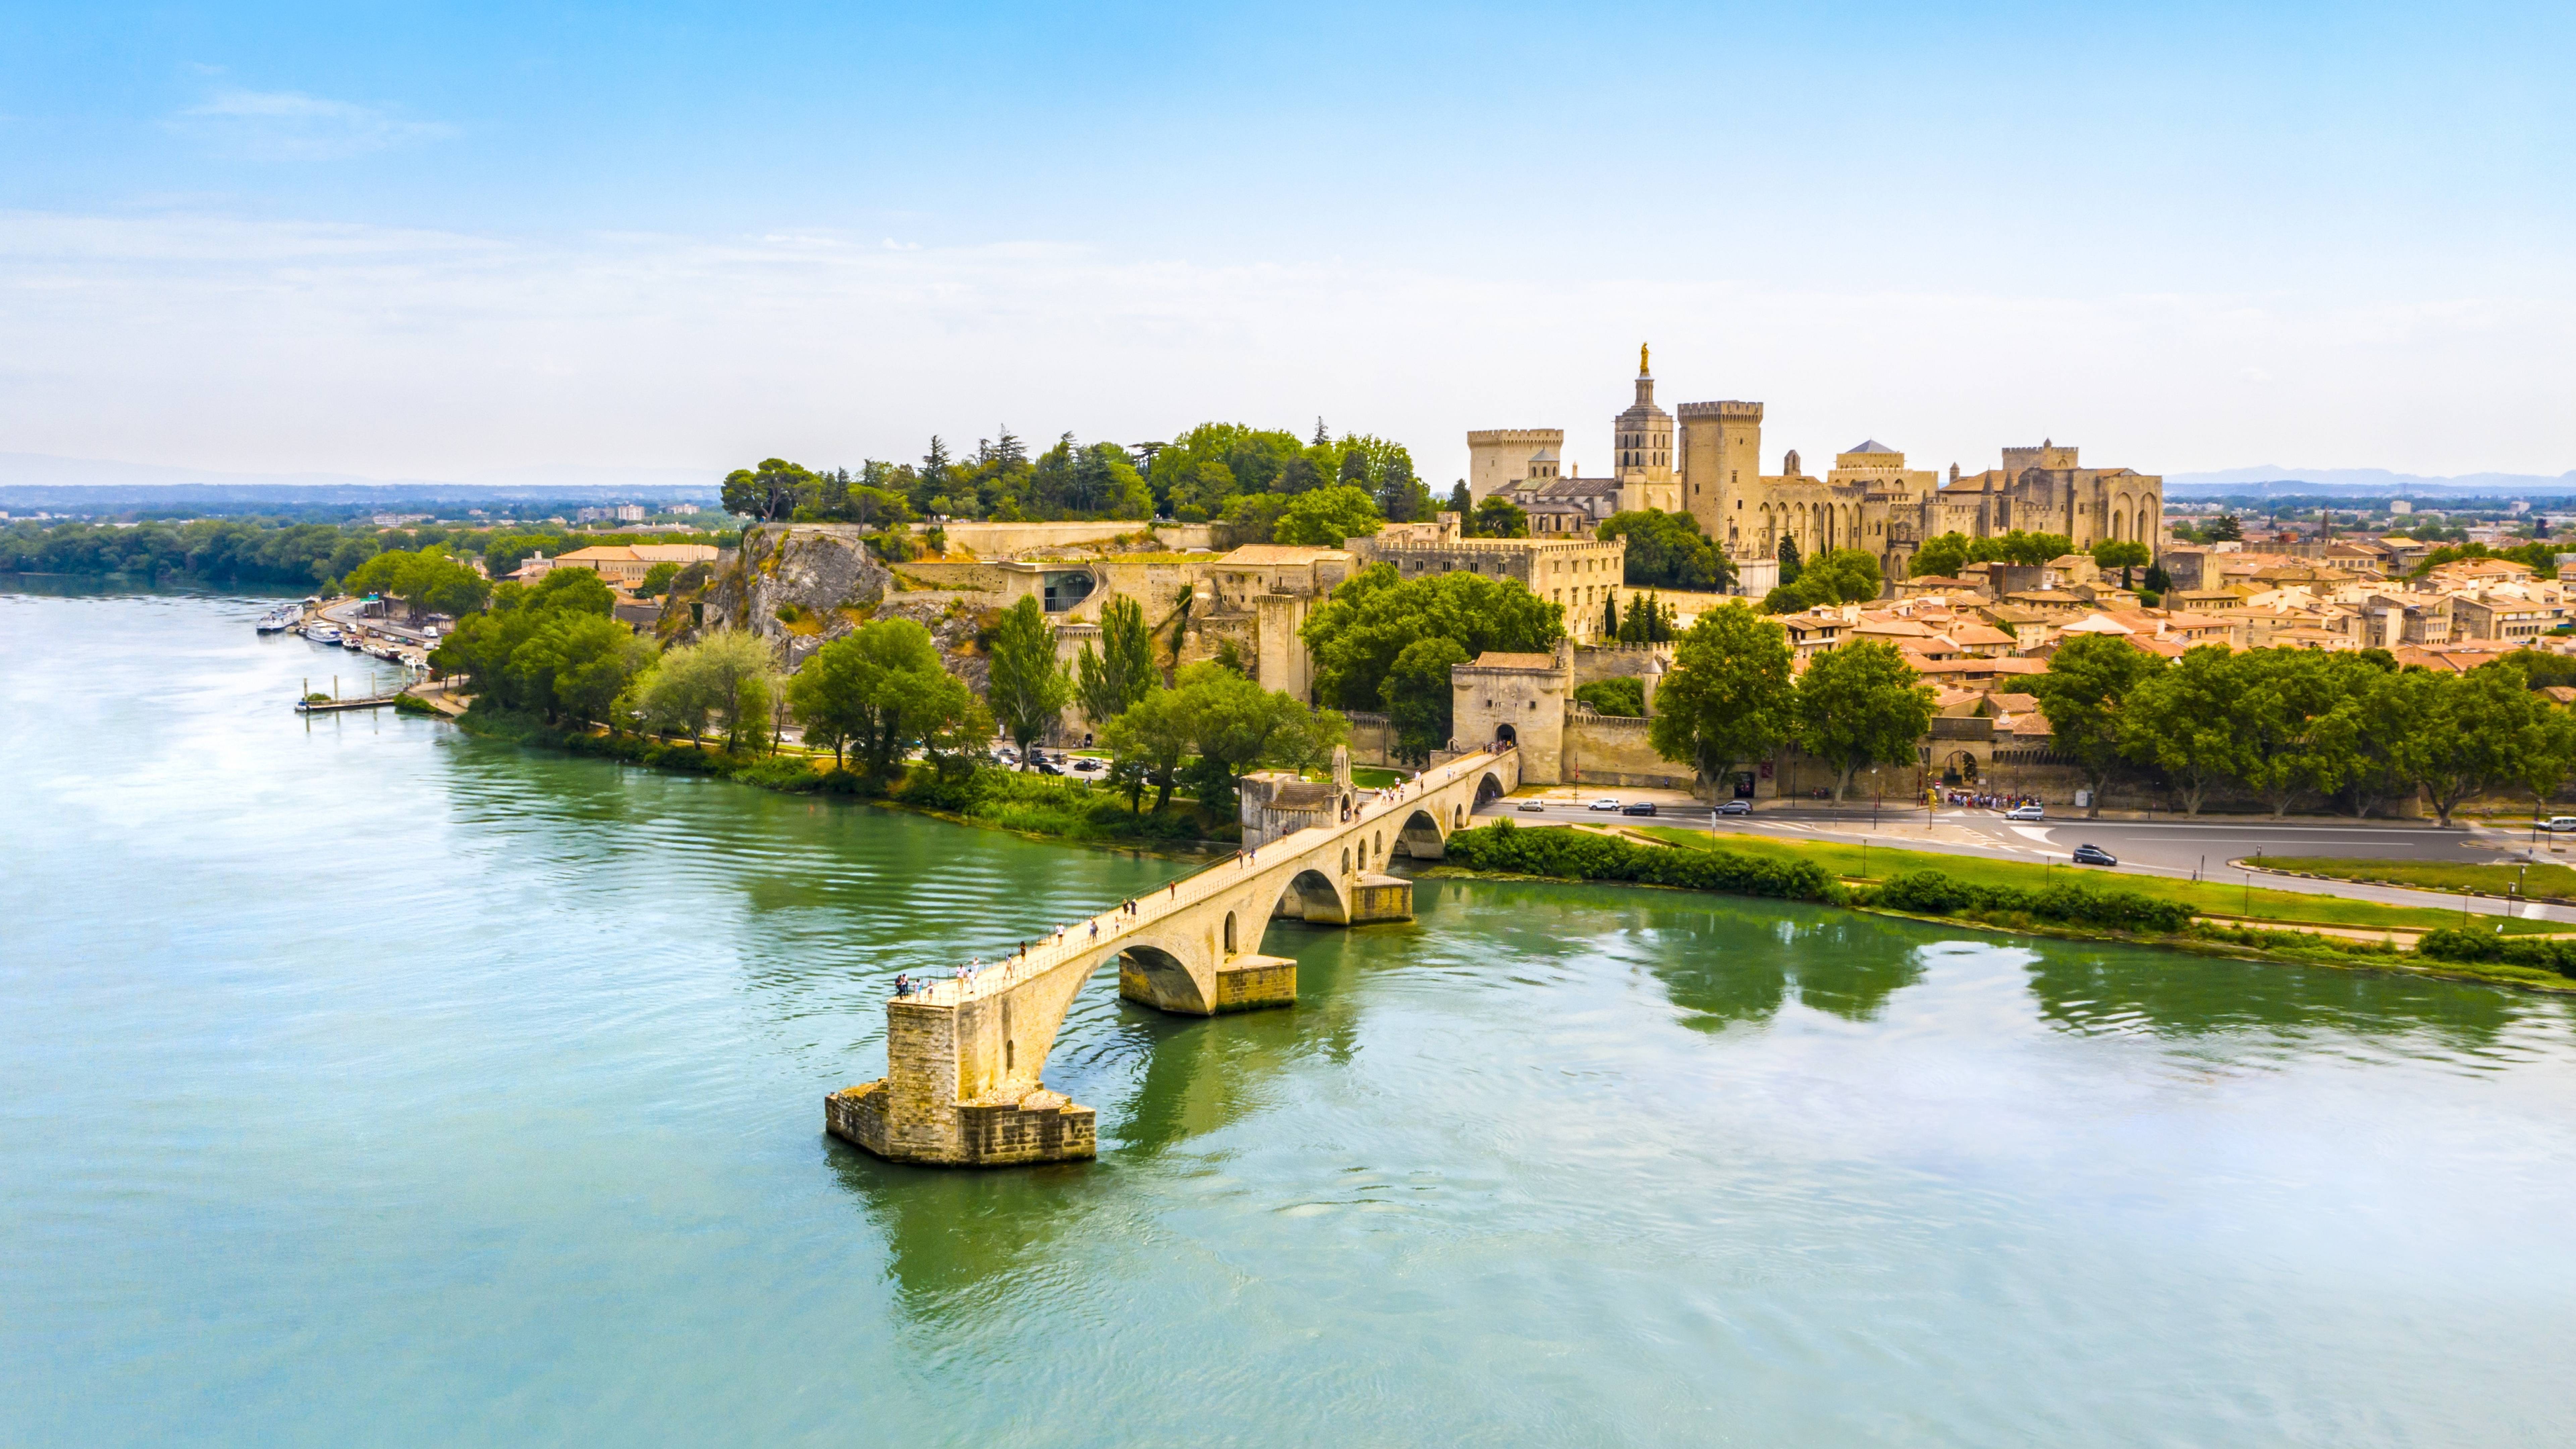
{"x": 1642, "y": 807}
{"x": 1736, "y": 807}
{"x": 1604, "y": 803}
{"x": 2558, "y": 823}
{"x": 2026, "y": 812}
{"x": 1531, "y": 807}
{"x": 2093, "y": 855}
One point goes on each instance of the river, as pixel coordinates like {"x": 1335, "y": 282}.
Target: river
{"x": 361, "y": 1082}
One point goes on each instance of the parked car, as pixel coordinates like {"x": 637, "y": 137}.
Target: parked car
{"x": 2026, "y": 812}
{"x": 2560, "y": 822}
{"x": 1086, "y": 764}
{"x": 1532, "y": 807}
{"x": 1736, "y": 807}
{"x": 2094, "y": 855}
{"x": 1045, "y": 766}
{"x": 1642, "y": 807}
{"x": 1604, "y": 803}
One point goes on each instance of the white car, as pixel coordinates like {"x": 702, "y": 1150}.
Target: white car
{"x": 1604, "y": 803}
{"x": 2558, "y": 823}
{"x": 2026, "y": 812}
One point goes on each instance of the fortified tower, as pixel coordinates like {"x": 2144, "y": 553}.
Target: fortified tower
{"x": 1642, "y": 447}
{"x": 1500, "y": 457}
{"x": 1722, "y": 466}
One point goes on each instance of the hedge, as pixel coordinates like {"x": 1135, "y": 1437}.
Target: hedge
{"x": 1575, "y": 855}
{"x": 2450, "y": 943}
{"x": 1932, "y": 893}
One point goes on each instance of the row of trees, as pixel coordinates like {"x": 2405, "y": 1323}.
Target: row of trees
{"x": 2285, "y": 725}
{"x": 300, "y": 555}
{"x": 1836, "y": 576}
{"x": 429, "y": 580}
{"x": 551, "y": 650}
{"x": 1731, "y": 699}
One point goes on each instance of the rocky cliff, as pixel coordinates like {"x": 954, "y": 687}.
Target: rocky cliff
{"x": 801, "y": 585}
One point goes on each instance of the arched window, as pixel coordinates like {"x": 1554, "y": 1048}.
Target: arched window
{"x": 1229, "y": 933}
{"x": 1346, "y": 860}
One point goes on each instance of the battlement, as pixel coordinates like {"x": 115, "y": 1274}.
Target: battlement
{"x": 1750, "y": 412}
{"x": 1499, "y": 436}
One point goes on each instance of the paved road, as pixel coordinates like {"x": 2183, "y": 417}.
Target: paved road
{"x": 2175, "y": 848}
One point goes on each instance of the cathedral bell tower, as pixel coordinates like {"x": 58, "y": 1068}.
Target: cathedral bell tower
{"x": 1642, "y": 447}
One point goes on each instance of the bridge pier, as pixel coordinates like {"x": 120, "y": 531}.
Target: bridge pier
{"x": 1377, "y": 897}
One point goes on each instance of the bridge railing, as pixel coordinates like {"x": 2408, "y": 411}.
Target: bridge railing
{"x": 1069, "y": 942}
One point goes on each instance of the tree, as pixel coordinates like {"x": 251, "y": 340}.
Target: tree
{"x": 724, "y": 678}
{"x": 1842, "y": 576}
{"x": 1027, "y": 688}
{"x": 1623, "y": 697}
{"x": 1401, "y": 496}
{"x": 1728, "y": 698}
{"x": 1461, "y": 502}
{"x": 427, "y": 580}
{"x": 2178, "y": 720}
{"x": 1110, "y": 681}
{"x": 1788, "y": 560}
{"x": 2547, "y": 752}
{"x": 771, "y": 492}
{"x": 657, "y": 580}
{"x": 1235, "y": 725}
{"x": 1418, "y": 696}
{"x": 579, "y": 591}
{"x": 1325, "y": 517}
{"x": 1499, "y": 517}
{"x": 2282, "y": 698}
{"x": 1666, "y": 550}
{"x": 1860, "y": 705}
{"x": 1939, "y": 557}
{"x": 878, "y": 689}
{"x": 1356, "y": 634}
{"x": 2227, "y": 529}
{"x": 551, "y": 649}
{"x": 2122, "y": 554}
{"x": 2087, "y": 680}
{"x": 1649, "y": 619}
{"x": 2026, "y": 548}
{"x": 1254, "y": 517}
{"x": 2455, "y": 735}
{"x": 1147, "y": 744}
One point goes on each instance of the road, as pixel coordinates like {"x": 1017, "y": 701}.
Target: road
{"x": 2183, "y": 849}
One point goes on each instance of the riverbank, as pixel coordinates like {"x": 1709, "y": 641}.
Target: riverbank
{"x": 2077, "y": 908}
{"x": 1040, "y": 807}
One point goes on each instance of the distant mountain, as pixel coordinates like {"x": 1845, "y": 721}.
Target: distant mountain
{"x": 2273, "y": 479}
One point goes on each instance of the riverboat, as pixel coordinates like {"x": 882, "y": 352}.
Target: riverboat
{"x": 323, "y": 634}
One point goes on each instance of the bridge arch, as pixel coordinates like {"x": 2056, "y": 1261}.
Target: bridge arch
{"x": 1488, "y": 788}
{"x": 1154, "y": 974}
{"x": 1420, "y": 837}
{"x": 1311, "y": 895}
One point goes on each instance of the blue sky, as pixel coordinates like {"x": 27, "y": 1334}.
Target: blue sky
{"x": 443, "y": 241}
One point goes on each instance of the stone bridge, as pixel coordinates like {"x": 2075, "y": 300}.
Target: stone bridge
{"x": 964, "y": 1056}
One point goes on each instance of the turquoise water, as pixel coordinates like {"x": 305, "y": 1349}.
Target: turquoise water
{"x": 365, "y": 1083}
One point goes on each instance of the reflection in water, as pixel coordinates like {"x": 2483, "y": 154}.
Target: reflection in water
{"x": 2121, "y": 990}
{"x": 1740, "y": 963}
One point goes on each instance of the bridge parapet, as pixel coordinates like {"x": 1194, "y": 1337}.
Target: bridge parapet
{"x": 964, "y": 1055}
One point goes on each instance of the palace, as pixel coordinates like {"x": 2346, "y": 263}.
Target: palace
{"x": 1711, "y": 465}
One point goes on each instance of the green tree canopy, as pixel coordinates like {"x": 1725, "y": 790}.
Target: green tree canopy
{"x": 1841, "y": 576}
{"x": 2087, "y": 680}
{"x": 772, "y": 491}
{"x": 726, "y": 679}
{"x": 1326, "y": 517}
{"x": 1147, "y": 745}
{"x": 1623, "y": 697}
{"x": 1112, "y": 679}
{"x": 1418, "y": 696}
{"x": 1728, "y": 698}
{"x": 1027, "y": 689}
{"x": 426, "y": 579}
{"x": 1666, "y": 550}
{"x": 1861, "y": 704}
{"x": 1498, "y": 517}
{"x": 1357, "y": 633}
{"x": 2122, "y": 554}
{"x": 2179, "y": 720}
{"x": 877, "y": 689}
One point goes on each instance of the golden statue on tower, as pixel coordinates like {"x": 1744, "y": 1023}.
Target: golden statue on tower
{"x": 1641, "y": 360}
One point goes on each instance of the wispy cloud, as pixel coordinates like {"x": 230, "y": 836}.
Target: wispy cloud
{"x": 293, "y": 126}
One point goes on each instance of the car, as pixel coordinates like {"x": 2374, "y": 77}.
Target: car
{"x": 1532, "y": 807}
{"x": 2094, "y": 855}
{"x": 1604, "y": 803}
{"x": 2026, "y": 812}
{"x": 1086, "y": 764}
{"x": 1736, "y": 807}
{"x": 2560, "y": 822}
{"x": 1642, "y": 807}
{"x": 1045, "y": 766}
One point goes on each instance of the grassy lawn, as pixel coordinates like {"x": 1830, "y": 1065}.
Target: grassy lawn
{"x": 2215, "y": 898}
{"x": 2434, "y": 875}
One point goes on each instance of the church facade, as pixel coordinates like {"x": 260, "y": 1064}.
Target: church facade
{"x": 1708, "y": 461}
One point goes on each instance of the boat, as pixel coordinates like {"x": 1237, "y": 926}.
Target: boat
{"x": 353, "y": 640}
{"x": 323, "y": 634}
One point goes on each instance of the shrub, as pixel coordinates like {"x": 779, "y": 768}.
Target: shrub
{"x": 1573, "y": 855}
{"x": 2453, "y": 944}
{"x": 1933, "y": 893}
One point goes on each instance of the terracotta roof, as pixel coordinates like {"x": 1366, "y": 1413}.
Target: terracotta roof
{"x": 1256, "y": 554}
{"x": 1495, "y": 659}
{"x": 1967, "y": 634}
